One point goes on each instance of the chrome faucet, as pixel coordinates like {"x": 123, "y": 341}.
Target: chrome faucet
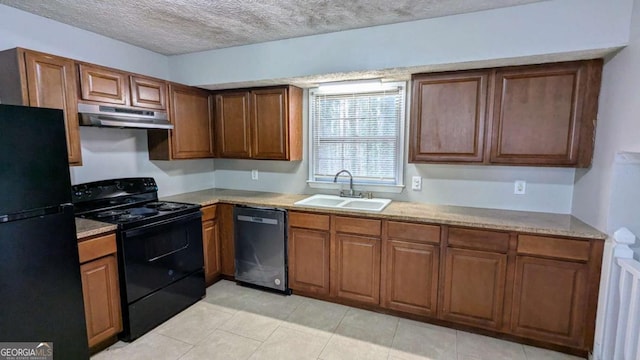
{"x": 351, "y": 192}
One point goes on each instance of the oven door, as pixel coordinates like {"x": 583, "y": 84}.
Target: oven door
{"x": 156, "y": 255}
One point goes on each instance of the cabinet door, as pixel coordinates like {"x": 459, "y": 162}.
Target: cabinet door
{"x": 192, "y": 118}
{"x": 227, "y": 243}
{"x": 357, "y": 268}
{"x": 101, "y": 298}
{"x": 473, "y": 290}
{"x": 233, "y": 125}
{"x": 211, "y": 250}
{"x": 148, "y": 93}
{"x": 448, "y": 117}
{"x": 103, "y": 85}
{"x": 309, "y": 260}
{"x": 549, "y": 300}
{"x": 411, "y": 277}
{"x": 537, "y": 114}
{"x": 51, "y": 83}
{"x": 269, "y": 124}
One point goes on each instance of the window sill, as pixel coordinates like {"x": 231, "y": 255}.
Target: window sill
{"x": 396, "y": 189}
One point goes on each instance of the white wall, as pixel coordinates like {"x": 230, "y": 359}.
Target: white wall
{"x": 114, "y": 153}
{"x": 618, "y": 129}
{"x": 22, "y": 29}
{"x": 541, "y": 28}
{"x": 106, "y": 153}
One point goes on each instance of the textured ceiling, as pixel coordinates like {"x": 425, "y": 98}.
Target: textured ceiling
{"x": 183, "y": 26}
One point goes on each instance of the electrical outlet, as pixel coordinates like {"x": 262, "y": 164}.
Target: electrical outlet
{"x": 254, "y": 174}
{"x": 520, "y": 187}
{"x": 416, "y": 183}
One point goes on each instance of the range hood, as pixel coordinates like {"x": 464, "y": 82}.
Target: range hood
{"x": 120, "y": 117}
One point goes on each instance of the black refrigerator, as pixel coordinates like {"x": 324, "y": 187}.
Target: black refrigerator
{"x": 40, "y": 283}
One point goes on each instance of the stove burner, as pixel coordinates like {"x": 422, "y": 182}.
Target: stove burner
{"x": 155, "y": 204}
{"x": 111, "y": 213}
{"x": 163, "y": 206}
{"x": 129, "y": 217}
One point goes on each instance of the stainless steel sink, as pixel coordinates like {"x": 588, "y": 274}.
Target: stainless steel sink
{"x": 337, "y": 202}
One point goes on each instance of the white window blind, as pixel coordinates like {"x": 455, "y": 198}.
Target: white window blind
{"x": 358, "y": 130}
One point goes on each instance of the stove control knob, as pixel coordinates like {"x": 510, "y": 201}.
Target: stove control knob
{"x": 88, "y": 192}
{"x": 277, "y": 282}
{"x": 119, "y": 185}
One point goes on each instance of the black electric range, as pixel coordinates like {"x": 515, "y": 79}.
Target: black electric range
{"x": 160, "y": 257}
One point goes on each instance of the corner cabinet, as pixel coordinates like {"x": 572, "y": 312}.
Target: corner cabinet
{"x": 191, "y": 113}
{"x": 261, "y": 123}
{"x": 537, "y": 115}
{"x": 100, "y": 289}
{"x": 36, "y": 79}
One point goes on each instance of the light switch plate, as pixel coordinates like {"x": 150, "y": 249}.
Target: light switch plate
{"x": 254, "y": 174}
{"x": 520, "y": 187}
{"x": 416, "y": 183}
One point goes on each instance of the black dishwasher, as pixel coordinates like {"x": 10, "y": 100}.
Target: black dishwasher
{"x": 261, "y": 247}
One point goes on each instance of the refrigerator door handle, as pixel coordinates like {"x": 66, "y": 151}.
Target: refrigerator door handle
{"x": 30, "y": 214}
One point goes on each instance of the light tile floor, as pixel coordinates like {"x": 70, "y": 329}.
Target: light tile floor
{"x": 236, "y": 322}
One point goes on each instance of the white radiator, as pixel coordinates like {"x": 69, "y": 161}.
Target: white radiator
{"x": 618, "y": 323}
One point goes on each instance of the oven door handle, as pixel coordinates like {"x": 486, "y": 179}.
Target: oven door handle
{"x": 167, "y": 254}
{"x": 172, "y": 221}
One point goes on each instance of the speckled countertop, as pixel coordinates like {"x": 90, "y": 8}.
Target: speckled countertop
{"x": 86, "y": 228}
{"x": 508, "y": 220}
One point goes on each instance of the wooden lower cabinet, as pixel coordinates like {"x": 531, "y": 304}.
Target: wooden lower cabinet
{"x": 210, "y": 244}
{"x": 100, "y": 288}
{"x": 411, "y": 277}
{"x": 549, "y": 300}
{"x": 357, "y": 268}
{"x": 309, "y": 260}
{"x": 473, "y": 289}
{"x": 226, "y": 234}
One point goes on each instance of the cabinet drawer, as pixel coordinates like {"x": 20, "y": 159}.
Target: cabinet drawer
{"x": 414, "y": 232}
{"x": 478, "y": 239}
{"x": 208, "y": 212}
{"x": 97, "y": 247}
{"x": 553, "y": 247}
{"x": 309, "y": 221}
{"x": 358, "y": 226}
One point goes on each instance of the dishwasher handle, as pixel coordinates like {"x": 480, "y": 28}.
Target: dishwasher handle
{"x": 258, "y": 220}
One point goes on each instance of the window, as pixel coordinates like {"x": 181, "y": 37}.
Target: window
{"x": 357, "y": 127}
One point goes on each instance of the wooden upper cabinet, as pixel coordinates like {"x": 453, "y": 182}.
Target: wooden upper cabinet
{"x": 233, "y": 129}
{"x": 32, "y": 78}
{"x": 274, "y": 120}
{"x": 263, "y": 123}
{"x": 538, "y": 114}
{"x": 103, "y": 85}
{"x": 448, "y": 117}
{"x": 110, "y": 86}
{"x": 192, "y": 116}
{"x": 148, "y": 93}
